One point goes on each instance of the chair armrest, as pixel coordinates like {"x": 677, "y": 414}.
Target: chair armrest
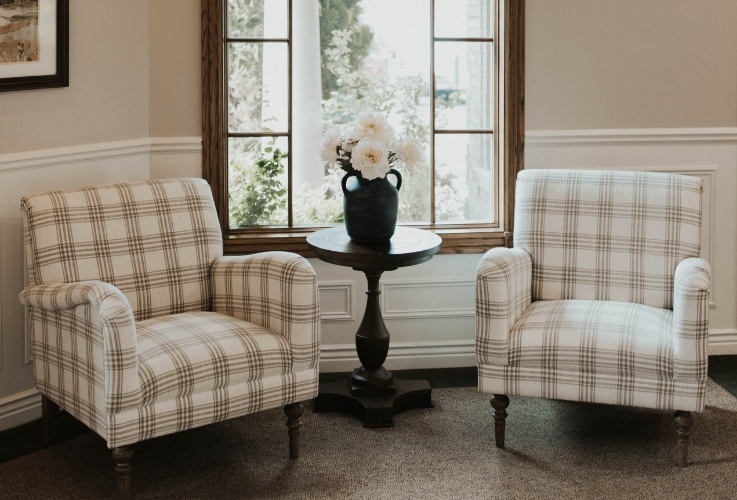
{"x": 692, "y": 283}
{"x": 61, "y": 296}
{"x": 503, "y": 294}
{"x": 86, "y": 328}
{"x": 276, "y": 290}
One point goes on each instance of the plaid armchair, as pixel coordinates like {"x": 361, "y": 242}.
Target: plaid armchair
{"x": 603, "y": 297}
{"x": 140, "y": 326}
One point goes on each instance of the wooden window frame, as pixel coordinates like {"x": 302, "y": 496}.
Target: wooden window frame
{"x": 455, "y": 240}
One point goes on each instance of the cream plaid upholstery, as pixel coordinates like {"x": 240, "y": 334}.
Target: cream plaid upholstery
{"x": 141, "y": 327}
{"x": 603, "y": 298}
{"x": 154, "y": 241}
{"x": 603, "y": 235}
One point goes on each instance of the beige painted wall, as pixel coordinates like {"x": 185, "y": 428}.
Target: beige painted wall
{"x": 174, "y": 61}
{"x": 107, "y": 97}
{"x": 600, "y": 64}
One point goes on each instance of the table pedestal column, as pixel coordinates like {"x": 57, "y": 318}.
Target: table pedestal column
{"x": 371, "y": 391}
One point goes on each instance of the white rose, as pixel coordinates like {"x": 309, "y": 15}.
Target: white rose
{"x": 372, "y": 126}
{"x": 371, "y": 158}
{"x": 410, "y": 153}
{"x": 329, "y": 146}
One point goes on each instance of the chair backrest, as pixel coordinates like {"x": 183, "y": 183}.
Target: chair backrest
{"x": 153, "y": 240}
{"x": 607, "y": 235}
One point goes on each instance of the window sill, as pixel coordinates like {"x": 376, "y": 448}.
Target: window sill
{"x": 455, "y": 241}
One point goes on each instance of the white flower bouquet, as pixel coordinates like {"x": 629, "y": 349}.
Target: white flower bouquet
{"x": 369, "y": 148}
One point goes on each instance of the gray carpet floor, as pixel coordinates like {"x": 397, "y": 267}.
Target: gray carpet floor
{"x": 555, "y": 449}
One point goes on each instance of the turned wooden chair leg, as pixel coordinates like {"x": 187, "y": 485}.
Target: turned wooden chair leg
{"x": 294, "y": 413}
{"x": 683, "y": 419}
{"x": 49, "y": 420}
{"x": 123, "y": 458}
{"x": 499, "y": 402}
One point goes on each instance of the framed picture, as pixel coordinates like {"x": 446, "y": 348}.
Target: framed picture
{"x": 34, "y": 44}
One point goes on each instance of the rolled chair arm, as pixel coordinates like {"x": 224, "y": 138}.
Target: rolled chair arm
{"x": 276, "y": 290}
{"x": 100, "y": 314}
{"x": 692, "y": 284}
{"x": 503, "y": 294}
{"x": 61, "y": 296}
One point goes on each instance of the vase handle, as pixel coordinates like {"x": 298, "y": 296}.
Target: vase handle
{"x": 399, "y": 178}
{"x": 345, "y": 179}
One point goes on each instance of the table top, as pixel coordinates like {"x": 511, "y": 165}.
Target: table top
{"x": 409, "y": 246}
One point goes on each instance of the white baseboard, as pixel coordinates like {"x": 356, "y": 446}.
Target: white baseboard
{"x": 722, "y": 341}
{"x": 19, "y": 409}
{"x": 403, "y": 355}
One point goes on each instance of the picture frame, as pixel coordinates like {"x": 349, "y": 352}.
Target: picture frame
{"x": 34, "y": 44}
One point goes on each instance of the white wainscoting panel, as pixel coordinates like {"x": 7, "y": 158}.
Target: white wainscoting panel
{"x": 430, "y": 298}
{"x": 337, "y": 300}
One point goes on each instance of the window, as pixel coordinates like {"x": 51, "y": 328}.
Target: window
{"x": 278, "y": 73}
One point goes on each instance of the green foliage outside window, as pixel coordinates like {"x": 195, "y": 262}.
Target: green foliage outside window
{"x": 261, "y": 198}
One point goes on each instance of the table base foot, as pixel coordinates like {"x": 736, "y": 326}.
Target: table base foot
{"x": 374, "y": 410}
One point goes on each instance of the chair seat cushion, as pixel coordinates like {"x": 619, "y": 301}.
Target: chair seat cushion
{"x": 188, "y": 353}
{"x": 589, "y": 336}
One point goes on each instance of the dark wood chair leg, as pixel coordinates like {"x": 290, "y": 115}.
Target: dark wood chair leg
{"x": 499, "y": 402}
{"x": 683, "y": 419}
{"x": 49, "y": 420}
{"x": 294, "y": 413}
{"x": 123, "y": 458}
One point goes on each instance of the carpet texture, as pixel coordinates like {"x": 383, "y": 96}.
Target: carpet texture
{"x": 555, "y": 449}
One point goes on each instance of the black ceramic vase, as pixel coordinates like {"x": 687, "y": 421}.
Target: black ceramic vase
{"x": 370, "y": 207}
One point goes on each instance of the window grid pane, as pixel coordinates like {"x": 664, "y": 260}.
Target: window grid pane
{"x": 464, "y": 92}
{"x": 464, "y": 18}
{"x": 258, "y": 86}
{"x": 257, "y": 18}
{"x": 465, "y": 170}
{"x": 258, "y": 120}
{"x": 464, "y": 178}
{"x": 257, "y": 181}
{"x": 461, "y": 108}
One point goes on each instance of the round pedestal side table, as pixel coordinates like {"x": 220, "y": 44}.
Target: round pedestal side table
{"x": 371, "y": 392}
